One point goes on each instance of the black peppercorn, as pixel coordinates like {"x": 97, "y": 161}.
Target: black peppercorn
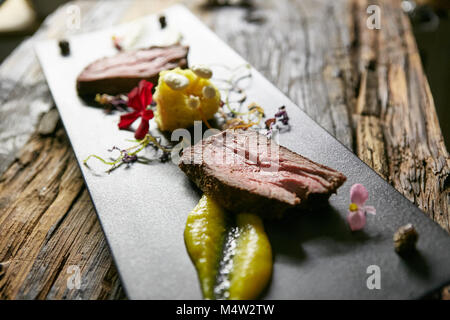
{"x": 64, "y": 47}
{"x": 405, "y": 239}
{"x": 162, "y": 21}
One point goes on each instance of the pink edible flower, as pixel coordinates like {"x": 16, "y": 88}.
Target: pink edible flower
{"x": 357, "y": 210}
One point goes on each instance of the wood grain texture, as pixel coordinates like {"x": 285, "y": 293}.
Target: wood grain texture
{"x": 47, "y": 221}
{"x": 366, "y": 87}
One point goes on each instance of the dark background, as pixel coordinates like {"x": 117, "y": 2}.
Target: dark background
{"x": 431, "y": 29}
{"x": 432, "y": 32}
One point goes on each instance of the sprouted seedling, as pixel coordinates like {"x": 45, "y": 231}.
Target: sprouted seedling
{"x": 130, "y": 155}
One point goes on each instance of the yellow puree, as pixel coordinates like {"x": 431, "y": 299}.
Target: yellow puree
{"x": 252, "y": 263}
{"x": 205, "y": 234}
{"x": 173, "y": 109}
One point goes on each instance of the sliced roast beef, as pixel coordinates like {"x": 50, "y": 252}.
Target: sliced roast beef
{"x": 245, "y": 171}
{"x": 122, "y": 72}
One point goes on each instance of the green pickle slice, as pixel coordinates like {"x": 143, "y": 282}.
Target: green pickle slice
{"x": 233, "y": 260}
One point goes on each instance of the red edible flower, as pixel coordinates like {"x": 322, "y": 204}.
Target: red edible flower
{"x": 139, "y": 99}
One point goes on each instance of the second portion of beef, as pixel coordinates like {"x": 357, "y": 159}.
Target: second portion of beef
{"x": 246, "y": 172}
{"x": 122, "y": 72}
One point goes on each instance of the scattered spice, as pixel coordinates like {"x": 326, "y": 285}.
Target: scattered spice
{"x": 64, "y": 47}
{"x": 162, "y": 21}
{"x": 139, "y": 99}
{"x": 279, "y": 122}
{"x": 282, "y": 115}
{"x": 269, "y": 122}
{"x": 357, "y": 210}
{"x": 405, "y": 239}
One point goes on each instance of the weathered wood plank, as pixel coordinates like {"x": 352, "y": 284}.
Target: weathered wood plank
{"x": 47, "y": 221}
{"x": 396, "y": 102}
{"x": 366, "y": 87}
{"x": 48, "y": 224}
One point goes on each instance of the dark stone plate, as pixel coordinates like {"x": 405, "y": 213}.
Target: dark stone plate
{"x": 143, "y": 209}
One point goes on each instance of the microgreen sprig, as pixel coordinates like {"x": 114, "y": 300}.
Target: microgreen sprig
{"x": 232, "y": 86}
{"x": 130, "y": 155}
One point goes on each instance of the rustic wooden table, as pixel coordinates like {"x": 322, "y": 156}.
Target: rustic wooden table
{"x": 366, "y": 87}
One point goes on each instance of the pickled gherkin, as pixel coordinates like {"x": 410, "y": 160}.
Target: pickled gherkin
{"x": 232, "y": 254}
{"x": 252, "y": 262}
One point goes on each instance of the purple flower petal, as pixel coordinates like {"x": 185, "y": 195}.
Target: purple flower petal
{"x": 359, "y": 194}
{"x": 370, "y": 209}
{"x": 356, "y": 220}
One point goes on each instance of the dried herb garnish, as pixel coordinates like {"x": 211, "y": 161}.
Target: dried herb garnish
{"x": 235, "y": 118}
{"x": 254, "y": 116}
{"x": 110, "y": 103}
{"x": 231, "y": 85}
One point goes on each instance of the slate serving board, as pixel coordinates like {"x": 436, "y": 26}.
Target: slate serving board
{"x": 143, "y": 209}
